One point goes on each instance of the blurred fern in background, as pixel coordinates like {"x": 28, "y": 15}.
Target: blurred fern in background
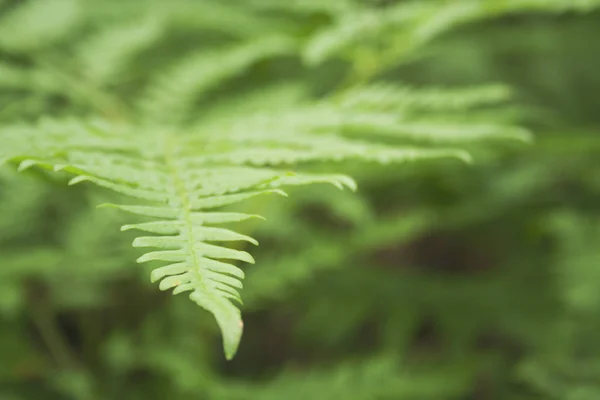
{"x": 436, "y": 280}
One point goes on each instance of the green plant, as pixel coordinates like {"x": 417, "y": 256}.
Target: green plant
{"x": 184, "y": 168}
{"x": 185, "y": 114}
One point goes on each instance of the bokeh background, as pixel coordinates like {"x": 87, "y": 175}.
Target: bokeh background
{"x": 436, "y": 280}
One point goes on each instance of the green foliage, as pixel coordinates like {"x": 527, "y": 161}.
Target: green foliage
{"x": 184, "y": 175}
{"x": 436, "y": 280}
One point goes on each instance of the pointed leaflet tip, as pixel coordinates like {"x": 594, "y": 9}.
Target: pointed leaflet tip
{"x": 278, "y": 191}
{"x": 524, "y": 135}
{"x": 230, "y": 349}
{"x": 78, "y": 179}
{"x": 464, "y": 156}
{"x": 26, "y": 164}
{"x": 347, "y": 182}
{"x": 341, "y": 182}
{"x": 228, "y": 318}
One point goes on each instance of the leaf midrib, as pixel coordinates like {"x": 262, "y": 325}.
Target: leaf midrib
{"x": 183, "y": 195}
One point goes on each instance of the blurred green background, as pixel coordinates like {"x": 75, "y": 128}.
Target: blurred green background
{"x": 435, "y": 280}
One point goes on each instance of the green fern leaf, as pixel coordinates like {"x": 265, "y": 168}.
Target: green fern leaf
{"x": 181, "y": 182}
{"x": 407, "y": 26}
{"x": 170, "y": 96}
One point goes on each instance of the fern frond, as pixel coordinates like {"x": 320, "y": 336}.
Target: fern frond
{"x": 275, "y": 98}
{"x": 179, "y": 179}
{"x": 233, "y": 19}
{"x": 264, "y": 149}
{"x": 179, "y": 182}
{"x": 369, "y": 111}
{"x": 354, "y": 27}
{"x": 449, "y": 15}
{"x": 48, "y": 143}
{"x": 406, "y": 26}
{"x": 402, "y": 98}
{"x": 169, "y": 98}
